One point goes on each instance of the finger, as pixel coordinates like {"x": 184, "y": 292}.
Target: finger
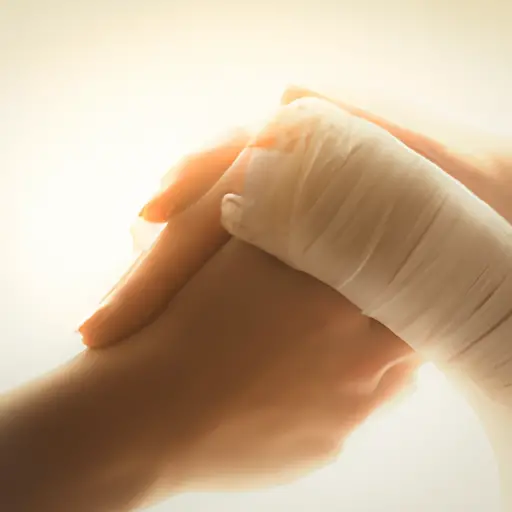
{"x": 185, "y": 183}
{"x": 190, "y": 238}
{"x": 180, "y": 251}
{"x": 192, "y": 177}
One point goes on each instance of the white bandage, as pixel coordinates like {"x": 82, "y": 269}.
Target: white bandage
{"x": 342, "y": 200}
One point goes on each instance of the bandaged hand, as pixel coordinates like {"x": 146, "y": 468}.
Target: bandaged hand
{"x": 487, "y": 183}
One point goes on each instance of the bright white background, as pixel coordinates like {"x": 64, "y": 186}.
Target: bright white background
{"x": 98, "y": 98}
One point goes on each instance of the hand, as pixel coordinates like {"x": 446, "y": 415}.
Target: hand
{"x": 487, "y": 172}
{"x": 162, "y": 271}
{"x": 274, "y": 370}
{"x": 274, "y": 367}
{"x": 253, "y": 375}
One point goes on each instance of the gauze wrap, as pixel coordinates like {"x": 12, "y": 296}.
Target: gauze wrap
{"x": 341, "y": 199}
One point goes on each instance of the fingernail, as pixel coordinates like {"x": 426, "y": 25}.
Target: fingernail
{"x": 89, "y": 331}
{"x": 231, "y": 213}
{"x": 153, "y": 208}
{"x": 91, "y": 323}
{"x": 83, "y": 328}
{"x": 150, "y": 213}
{"x": 147, "y": 206}
{"x": 84, "y": 322}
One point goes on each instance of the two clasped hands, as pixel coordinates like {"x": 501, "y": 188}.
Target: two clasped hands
{"x": 212, "y": 365}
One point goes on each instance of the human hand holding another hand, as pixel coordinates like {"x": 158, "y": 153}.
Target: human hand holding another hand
{"x": 235, "y": 370}
{"x": 278, "y": 368}
{"x": 253, "y": 375}
{"x": 365, "y": 372}
{"x": 200, "y": 208}
{"x": 295, "y": 364}
{"x": 190, "y": 204}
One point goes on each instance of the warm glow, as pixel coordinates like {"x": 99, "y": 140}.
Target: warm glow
{"x": 98, "y": 105}
{"x": 77, "y": 236}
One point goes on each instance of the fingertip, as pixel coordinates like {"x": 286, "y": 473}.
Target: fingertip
{"x": 85, "y": 335}
{"x": 88, "y": 330}
{"x": 157, "y": 210}
{"x": 87, "y": 342}
{"x": 83, "y": 328}
{"x": 91, "y": 339}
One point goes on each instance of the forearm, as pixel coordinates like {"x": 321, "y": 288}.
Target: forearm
{"x": 88, "y": 437}
{"x": 99, "y": 433}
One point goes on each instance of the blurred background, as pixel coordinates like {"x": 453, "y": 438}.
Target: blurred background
{"x": 98, "y": 98}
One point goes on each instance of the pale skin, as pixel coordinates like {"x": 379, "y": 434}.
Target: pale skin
{"x": 230, "y": 361}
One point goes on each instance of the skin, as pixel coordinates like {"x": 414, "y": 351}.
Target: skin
{"x": 195, "y": 193}
{"x": 265, "y": 393}
{"x": 253, "y": 398}
{"x": 190, "y": 205}
{"x": 256, "y": 397}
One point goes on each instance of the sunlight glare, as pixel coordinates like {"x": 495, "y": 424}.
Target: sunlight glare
{"x": 79, "y": 223}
